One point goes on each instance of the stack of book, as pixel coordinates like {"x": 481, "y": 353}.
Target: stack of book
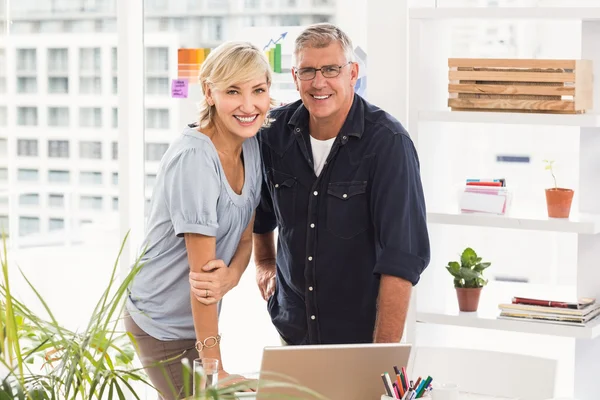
{"x": 576, "y": 313}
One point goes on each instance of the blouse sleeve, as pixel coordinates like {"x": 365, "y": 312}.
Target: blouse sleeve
{"x": 192, "y": 187}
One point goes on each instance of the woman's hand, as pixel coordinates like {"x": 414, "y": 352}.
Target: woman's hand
{"x": 226, "y": 379}
{"x": 215, "y": 280}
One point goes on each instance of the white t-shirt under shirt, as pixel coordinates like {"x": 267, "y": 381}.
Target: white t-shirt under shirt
{"x": 320, "y": 149}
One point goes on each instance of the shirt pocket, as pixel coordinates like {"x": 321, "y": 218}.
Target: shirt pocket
{"x": 347, "y": 208}
{"x": 284, "y": 197}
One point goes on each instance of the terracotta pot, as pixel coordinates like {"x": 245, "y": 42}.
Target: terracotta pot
{"x": 559, "y": 201}
{"x": 468, "y": 298}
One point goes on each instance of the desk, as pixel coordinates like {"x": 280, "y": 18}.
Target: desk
{"x": 468, "y": 396}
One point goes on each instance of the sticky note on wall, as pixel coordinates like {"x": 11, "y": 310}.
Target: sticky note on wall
{"x": 179, "y": 88}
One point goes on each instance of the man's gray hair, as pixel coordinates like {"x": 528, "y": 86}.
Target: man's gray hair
{"x": 322, "y": 35}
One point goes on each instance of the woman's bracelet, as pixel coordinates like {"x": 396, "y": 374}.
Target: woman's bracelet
{"x": 208, "y": 342}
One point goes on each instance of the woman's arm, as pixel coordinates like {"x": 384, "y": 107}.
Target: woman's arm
{"x": 216, "y": 277}
{"x": 200, "y": 250}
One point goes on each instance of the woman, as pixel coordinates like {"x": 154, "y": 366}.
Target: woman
{"x": 207, "y": 188}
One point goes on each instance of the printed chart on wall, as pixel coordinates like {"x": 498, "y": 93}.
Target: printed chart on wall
{"x": 277, "y": 44}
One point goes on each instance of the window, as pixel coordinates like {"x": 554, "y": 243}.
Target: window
{"x": 3, "y": 147}
{"x": 58, "y": 85}
{"x": 157, "y": 86}
{"x": 90, "y": 117}
{"x": 157, "y": 118}
{"x": 28, "y": 225}
{"x": 115, "y": 178}
{"x": 157, "y": 59}
{"x": 90, "y": 178}
{"x": 3, "y": 174}
{"x": 90, "y": 150}
{"x": 29, "y": 199}
{"x": 90, "y": 202}
{"x": 57, "y": 176}
{"x": 56, "y": 224}
{"x": 27, "y": 175}
{"x": 56, "y": 200}
{"x": 4, "y": 224}
{"x": 114, "y": 59}
{"x": 155, "y": 151}
{"x": 26, "y": 85}
{"x": 115, "y": 118}
{"x": 58, "y": 61}
{"x": 27, "y": 116}
{"x": 3, "y": 117}
{"x": 90, "y": 85}
{"x": 58, "y": 116}
{"x": 27, "y": 147}
{"x": 26, "y": 60}
{"x": 115, "y": 85}
{"x": 58, "y": 148}
{"x": 115, "y": 150}
{"x": 115, "y": 203}
{"x": 89, "y": 60}
{"x": 150, "y": 180}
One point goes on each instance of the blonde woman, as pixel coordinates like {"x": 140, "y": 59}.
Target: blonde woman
{"x": 208, "y": 186}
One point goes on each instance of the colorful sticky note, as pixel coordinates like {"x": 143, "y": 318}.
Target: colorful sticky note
{"x": 179, "y": 88}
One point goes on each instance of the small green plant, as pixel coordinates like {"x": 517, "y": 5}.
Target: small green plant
{"x": 469, "y": 272}
{"x": 548, "y": 167}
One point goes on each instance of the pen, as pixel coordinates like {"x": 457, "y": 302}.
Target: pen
{"x": 385, "y": 385}
{"x": 389, "y": 383}
{"x": 400, "y": 385}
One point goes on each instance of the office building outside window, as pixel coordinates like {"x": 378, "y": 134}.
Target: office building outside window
{"x": 90, "y": 150}
{"x": 28, "y": 175}
{"x": 27, "y": 147}
{"x": 58, "y": 148}
{"x": 58, "y": 116}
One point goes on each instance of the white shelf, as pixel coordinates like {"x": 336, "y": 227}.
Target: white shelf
{"x": 582, "y": 224}
{"x": 562, "y": 13}
{"x": 495, "y": 293}
{"x": 581, "y": 120}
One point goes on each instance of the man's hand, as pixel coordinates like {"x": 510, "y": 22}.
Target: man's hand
{"x": 215, "y": 280}
{"x": 265, "y": 278}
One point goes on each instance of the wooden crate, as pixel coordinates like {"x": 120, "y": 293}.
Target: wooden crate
{"x": 550, "y": 86}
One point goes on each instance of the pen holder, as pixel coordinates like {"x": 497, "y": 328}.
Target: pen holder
{"x": 386, "y": 397}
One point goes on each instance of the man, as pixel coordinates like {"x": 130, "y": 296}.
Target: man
{"x": 342, "y": 185}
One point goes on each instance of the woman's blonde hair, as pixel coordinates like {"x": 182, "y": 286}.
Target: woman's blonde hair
{"x": 228, "y": 64}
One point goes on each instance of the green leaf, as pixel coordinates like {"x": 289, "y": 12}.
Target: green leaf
{"x": 468, "y": 257}
{"x": 469, "y": 274}
{"x": 481, "y": 266}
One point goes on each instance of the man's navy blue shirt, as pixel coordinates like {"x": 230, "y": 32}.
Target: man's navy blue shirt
{"x": 363, "y": 216}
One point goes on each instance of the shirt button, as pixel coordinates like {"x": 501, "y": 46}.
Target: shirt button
{"x": 315, "y": 193}
{"x": 313, "y": 317}
{"x": 309, "y": 258}
{"x": 344, "y": 195}
{"x": 312, "y": 225}
{"x": 277, "y": 185}
{"x": 297, "y": 129}
{"x": 310, "y": 288}
{"x": 344, "y": 137}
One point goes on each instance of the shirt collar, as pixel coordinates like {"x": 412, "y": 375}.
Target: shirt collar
{"x": 353, "y": 126}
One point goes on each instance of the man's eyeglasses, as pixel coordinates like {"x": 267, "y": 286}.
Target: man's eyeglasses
{"x": 328, "y": 71}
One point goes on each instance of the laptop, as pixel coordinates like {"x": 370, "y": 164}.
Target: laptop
{"x": 335, "y": 372}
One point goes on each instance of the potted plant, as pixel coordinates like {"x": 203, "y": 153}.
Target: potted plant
{"x": 468, "y": 279}
{"x": 558, "y": 200}
{"x": 42, "y": 360}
